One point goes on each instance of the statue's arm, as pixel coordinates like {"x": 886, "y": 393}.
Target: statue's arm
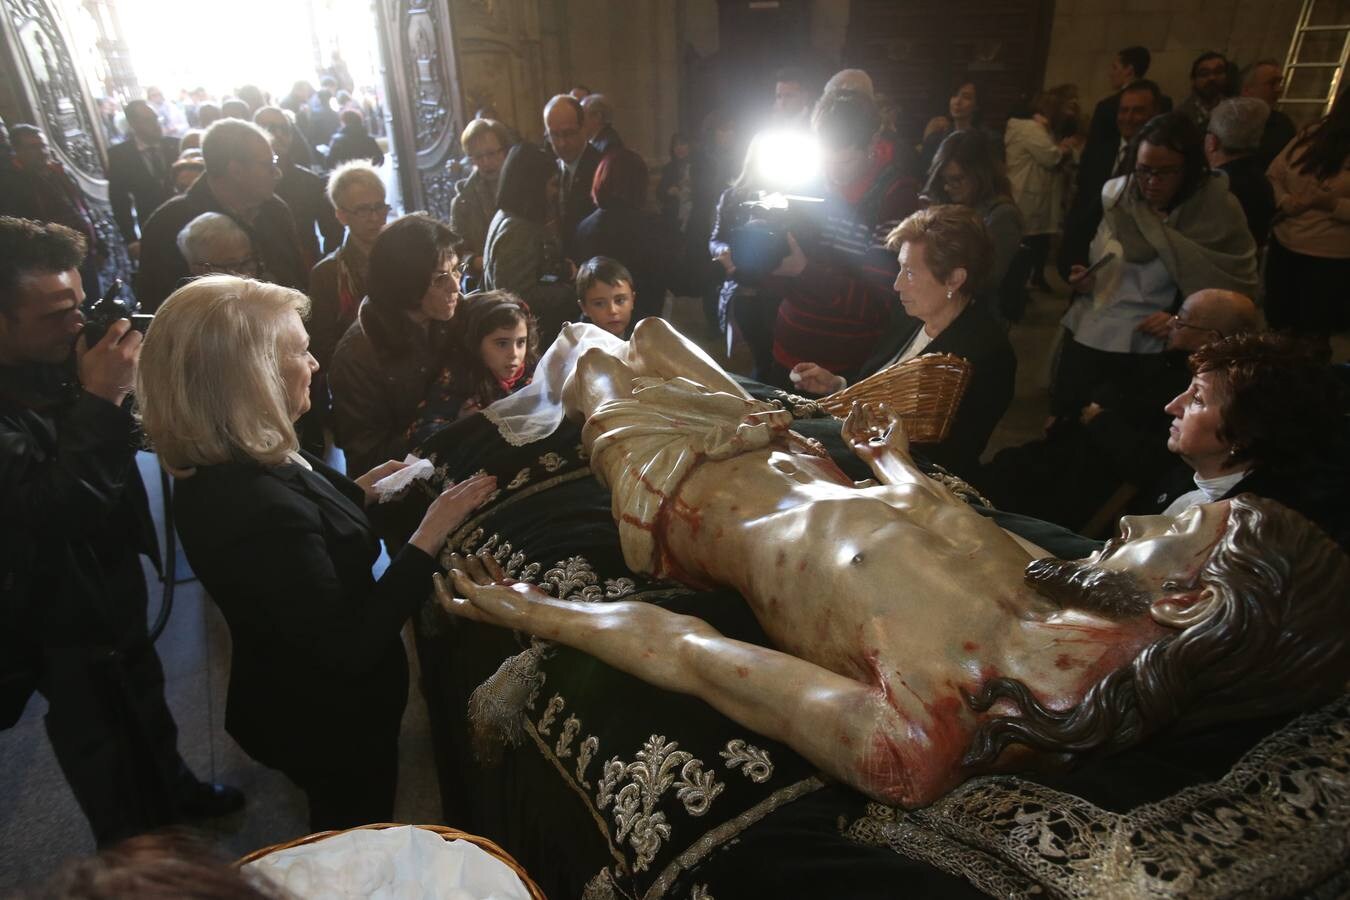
{"x": 877, "y": 436}
{"x": 848, "y": 728}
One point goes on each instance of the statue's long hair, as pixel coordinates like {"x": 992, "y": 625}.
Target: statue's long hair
{"x": 1278, "y": 641}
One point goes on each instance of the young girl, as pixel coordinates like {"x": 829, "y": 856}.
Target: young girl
{"x": 495, "y": 345}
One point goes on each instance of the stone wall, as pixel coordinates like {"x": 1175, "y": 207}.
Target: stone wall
{"x": 1087, "y": 33}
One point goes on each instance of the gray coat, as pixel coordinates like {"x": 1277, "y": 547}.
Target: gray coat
{"x": 524, "y": 257}
{"x": 471, "y": 212}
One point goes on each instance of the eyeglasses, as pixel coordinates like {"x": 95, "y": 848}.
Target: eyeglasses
{"x": 1179, "y": 323}
{"x": 442, "y": 279}
{"x": 1148, "y": 173}
{"x": 247, "y": 265}
{"x": 367, "y": 210}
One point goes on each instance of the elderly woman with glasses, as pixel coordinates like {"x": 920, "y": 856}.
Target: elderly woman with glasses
{"x": 1170, "y": 227}
{"x": 386, "y": 362}
{"x": 282, "y": 543}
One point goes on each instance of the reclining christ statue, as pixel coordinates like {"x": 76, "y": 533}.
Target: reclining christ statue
{"x": 917, "y": 642}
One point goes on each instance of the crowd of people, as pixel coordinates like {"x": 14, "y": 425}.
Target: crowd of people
{"x": 288, "y": 309}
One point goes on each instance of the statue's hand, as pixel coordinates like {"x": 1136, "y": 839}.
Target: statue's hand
{"x": 870, "y": 430}
{"x": 484, "y": 593}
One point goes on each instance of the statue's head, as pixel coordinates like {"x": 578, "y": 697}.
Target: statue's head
{"x": 1253, "y": 597}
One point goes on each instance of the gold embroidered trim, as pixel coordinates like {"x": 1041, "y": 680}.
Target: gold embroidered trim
{"x": 1277, "y": 824}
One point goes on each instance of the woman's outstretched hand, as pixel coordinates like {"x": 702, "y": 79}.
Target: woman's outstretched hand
{"x": 450, "y": 509}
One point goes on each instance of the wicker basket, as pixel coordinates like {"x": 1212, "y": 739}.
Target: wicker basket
{"x": 925, "y": 392}
{"x": 449, "y": 834}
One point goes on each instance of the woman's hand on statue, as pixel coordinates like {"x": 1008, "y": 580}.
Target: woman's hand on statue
{"x": 808, "y": 376}
{"x": 367, "y": 481}
{"x": 450, "y": 509}
{"x": 794, "y": 263}
{"x": 871, "y": 429}
{"x": 1156, "y": 325}
{"x": 1080, "y": 281}
{"x": 936, "y": 125}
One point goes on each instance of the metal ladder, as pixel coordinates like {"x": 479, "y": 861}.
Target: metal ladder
{"x": 1314, "y": 69}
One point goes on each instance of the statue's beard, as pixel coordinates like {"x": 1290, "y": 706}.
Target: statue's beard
{"x": 1074, "y": 585}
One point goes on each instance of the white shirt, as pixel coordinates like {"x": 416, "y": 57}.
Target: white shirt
{"x": 915, "y": 346}
{"x": 1207, "y": 490}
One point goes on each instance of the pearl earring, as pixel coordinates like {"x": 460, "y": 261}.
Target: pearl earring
{"x": 949, "y": 294}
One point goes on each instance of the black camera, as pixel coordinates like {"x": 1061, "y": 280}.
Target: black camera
{"x": 758, "y": 246}
{"x": 107, "y": 310}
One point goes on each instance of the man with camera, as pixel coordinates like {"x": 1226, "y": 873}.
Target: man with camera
{"x": 72, "y": 592}
{"x": 837, "y": 280}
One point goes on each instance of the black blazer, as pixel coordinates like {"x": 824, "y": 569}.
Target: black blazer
{"x": 317, "y": 665}
{"x": 130, "y": 183}
{"x": 976, "y": 337}
{"x": 574, "y": 197}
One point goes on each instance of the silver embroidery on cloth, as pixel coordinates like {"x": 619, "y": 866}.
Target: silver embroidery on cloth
{"x": 552, "y": 462}
{"x": 555, "y": 705}
{"x": 753, "y": 762}
{"x": 649, "y": 777}
{"x": 570, "y": 729}
{"x": 522, "y": 478}
{"x": 585, "y": 753}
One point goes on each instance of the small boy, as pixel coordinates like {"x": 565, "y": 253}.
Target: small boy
{"x": 605, "y": 294}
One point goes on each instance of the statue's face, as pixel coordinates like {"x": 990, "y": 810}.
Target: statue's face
{"x": 1164, "y": 552}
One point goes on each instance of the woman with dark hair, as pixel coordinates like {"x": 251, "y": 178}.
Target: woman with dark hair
{"x": 1308, "y": 262}
{"x": 944, "y": 254}
{"x": 387, "y": 360}
{"x": 1263, "y": 414}
{"x": 522, "y": 253}
{"x": 1170, "y": 227}
{"x": 967, "y": 172}
{"x": 963, "y": 114}
{"x": 622, "y": 229}
{"x": 1037, "y": 160}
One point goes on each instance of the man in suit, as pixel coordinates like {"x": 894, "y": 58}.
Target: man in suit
{"x": 1263, "y": 80}
{"x": 138, "y": 173}
{"x": 577, "y": 159}
{"x": 241, "y": 175}
{"x": 72, "y": 591}
{"x": 1135, "y": 104}
{"x": 1129, "y": 66}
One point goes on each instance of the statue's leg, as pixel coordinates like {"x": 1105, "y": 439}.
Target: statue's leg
{"x": 659, "y": 350}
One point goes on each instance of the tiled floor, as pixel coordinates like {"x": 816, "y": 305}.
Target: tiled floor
{"x": 41, "y": 825}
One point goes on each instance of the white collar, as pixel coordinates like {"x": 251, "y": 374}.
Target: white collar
{"x": 1214, "y": 488}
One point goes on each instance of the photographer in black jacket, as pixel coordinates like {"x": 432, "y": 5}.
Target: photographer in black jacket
{"x": 72, "y": 592}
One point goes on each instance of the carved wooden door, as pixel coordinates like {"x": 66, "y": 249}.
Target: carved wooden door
{"x": 48, "y": 88}
{"x": 425, "y": 107}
